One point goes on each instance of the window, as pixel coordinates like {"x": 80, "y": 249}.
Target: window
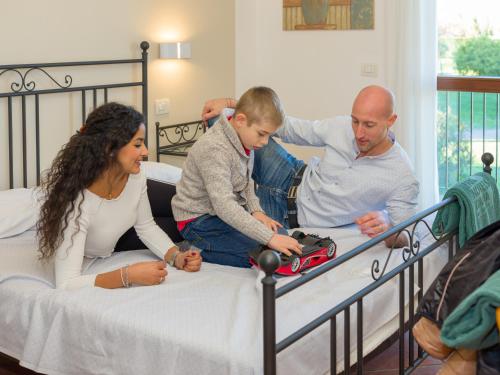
{"x": 468, "y": 102}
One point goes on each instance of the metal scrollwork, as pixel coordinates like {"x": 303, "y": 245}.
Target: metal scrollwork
{"x": 183, "y": 133}
{"x": 15, "y": 86}
{"x": 30, "y": 85}
{"x": 407, "y": 252}
{"x": 376, "y": 273}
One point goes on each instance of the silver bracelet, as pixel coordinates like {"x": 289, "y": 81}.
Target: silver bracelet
{"x": 127, "y": 284}
{"x": 121, "y": 276}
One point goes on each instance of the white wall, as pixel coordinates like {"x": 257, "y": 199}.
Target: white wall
{"x": 68, "y": 30}
{"x": 315, "y": 73}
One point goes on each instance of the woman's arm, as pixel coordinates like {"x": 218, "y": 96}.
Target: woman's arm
{"x": 144, "y": 273}
{"x": 69, "y": 255}
{"x": 69, "y": 260}
{"x": 148, "y": 231}
{"x": 158, "y": 241}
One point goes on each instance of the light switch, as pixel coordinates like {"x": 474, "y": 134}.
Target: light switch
{"x": 369, "y": 70}
{"x": 162, "y": 106}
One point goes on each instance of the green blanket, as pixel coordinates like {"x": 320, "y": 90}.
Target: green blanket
{"x": 478, "y": 205}
{"x": 472, "y": 324}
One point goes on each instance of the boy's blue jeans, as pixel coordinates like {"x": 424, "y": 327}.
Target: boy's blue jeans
{"x": 273, "y": 171}
{"x": 220, "y": 243}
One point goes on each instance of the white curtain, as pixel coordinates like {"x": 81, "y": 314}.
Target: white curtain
{"x": 411, "y": 73}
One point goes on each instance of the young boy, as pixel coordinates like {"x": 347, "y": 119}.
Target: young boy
{"x": 215, "y": 207}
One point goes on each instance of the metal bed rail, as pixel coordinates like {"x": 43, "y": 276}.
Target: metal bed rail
{"x": 412, "y": 257}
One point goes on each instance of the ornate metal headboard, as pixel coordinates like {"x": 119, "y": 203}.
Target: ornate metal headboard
{"x": 179, "y": 137}
{"x": 25, "y": 87}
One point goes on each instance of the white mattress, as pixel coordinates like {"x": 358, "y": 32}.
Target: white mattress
{"x": 195, "y": 323}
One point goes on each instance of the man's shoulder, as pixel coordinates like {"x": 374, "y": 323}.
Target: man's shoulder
{"x": 401, "y": 162}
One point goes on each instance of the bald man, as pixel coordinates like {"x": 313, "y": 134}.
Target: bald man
{"x": 364, "y": 176}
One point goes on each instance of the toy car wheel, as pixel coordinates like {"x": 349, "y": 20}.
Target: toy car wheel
{"x": 295, "y": 264}
{"x": 331, "y": 250}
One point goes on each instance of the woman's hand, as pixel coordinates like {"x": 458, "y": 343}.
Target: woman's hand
{"x": 267, "y": 221}
{"x": 147, "y": 273}
{"x": 189, "y": 261}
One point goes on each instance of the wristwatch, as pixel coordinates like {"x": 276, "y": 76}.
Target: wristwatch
{"x": 171, "y": 262}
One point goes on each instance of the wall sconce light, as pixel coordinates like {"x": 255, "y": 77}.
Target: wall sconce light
{"x": 175, "y": 50}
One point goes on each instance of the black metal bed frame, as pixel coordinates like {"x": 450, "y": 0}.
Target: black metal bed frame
{"x": 24, "y": 87}
{"x": 179, "y": 137}
{"x": 412, "y": 256}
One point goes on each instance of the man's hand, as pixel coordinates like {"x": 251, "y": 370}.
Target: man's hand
{"x": 267, "y": 221}
{"x": 373, "y": 223}
{"x": 214, "y": 107}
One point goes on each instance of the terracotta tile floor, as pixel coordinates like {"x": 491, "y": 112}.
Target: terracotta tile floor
{"x": 386, "y": 363}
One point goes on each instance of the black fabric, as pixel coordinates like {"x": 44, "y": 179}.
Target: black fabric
{"x": 160, "y": 195}
{"x": 292, "y": 198}
{"x": 479, "y": 259}
{"x": 488, "y": 361}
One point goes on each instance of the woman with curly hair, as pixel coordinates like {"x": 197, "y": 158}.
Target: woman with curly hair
{"x": 95, "y": 191}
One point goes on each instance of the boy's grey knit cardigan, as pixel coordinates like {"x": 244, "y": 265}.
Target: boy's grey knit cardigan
{"x": 216, "y": 181}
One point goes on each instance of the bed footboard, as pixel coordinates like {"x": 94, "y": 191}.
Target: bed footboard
{"x": 411, "y": 268}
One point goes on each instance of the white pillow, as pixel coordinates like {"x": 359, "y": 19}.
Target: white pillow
{"x": 19, "y": 210}
{"x": 161, "y": 171}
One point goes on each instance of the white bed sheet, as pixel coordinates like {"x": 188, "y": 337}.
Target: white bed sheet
{"x": 202, "y": 323}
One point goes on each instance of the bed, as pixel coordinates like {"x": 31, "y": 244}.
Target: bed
{"x": 204, "y": 323}
{"x": 220, "y": 320}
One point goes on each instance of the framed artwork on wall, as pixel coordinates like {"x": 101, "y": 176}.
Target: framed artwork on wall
{"x": 328, "y": 15}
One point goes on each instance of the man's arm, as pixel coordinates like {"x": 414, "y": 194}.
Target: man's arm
{"x": 305, "y": 132}
{"x": 294, "y": 130}
{"x": 401, "y": 205}
{"x": 214, "y": 107}
{"x": 375, "y": 223}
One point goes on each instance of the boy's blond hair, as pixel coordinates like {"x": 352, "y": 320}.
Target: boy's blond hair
{"x": 260, "y": 104}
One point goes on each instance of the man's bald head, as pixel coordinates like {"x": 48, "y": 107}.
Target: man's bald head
{"x": 372, "y": 116}
{"x": 375, "y": 99}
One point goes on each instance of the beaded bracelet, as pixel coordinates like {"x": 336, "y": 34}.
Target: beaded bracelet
{"x": 121, "y": 276}
{"x": 125, "y": 282}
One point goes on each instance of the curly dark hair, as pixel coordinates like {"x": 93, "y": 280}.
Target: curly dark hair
{"x": 89, "y": 153}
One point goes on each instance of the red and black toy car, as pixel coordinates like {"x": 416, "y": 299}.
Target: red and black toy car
{"x": 315, "y": 251}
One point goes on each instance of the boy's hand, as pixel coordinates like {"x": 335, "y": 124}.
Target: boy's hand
{"x": 267, "y": 221}
{"x": 284, "y": 244}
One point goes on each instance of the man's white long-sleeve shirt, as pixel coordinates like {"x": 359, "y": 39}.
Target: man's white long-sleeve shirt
{"x": 340, "y": 187}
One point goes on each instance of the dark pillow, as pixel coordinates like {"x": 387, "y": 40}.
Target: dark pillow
{"x": 160, "y": 195}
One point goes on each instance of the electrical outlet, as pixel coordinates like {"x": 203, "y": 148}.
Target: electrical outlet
{"x": 162, "y": 106}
